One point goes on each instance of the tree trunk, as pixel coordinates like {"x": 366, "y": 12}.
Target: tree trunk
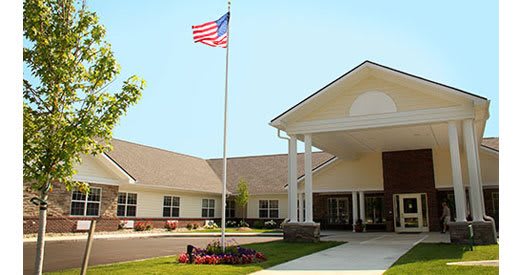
{"x": 39, "y": 255}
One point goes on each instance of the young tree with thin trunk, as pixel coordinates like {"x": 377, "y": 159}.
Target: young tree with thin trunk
{"x": 68, "y": 108}
{"x": 242, "y": 195}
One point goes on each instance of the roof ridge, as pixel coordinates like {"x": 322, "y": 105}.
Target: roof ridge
{"x": 260, "y": 156}
{"x": 156, "y": 148}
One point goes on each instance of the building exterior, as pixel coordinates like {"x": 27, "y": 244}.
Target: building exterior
{"x": 400, "y": 136}
{"x": 394, "y": 147}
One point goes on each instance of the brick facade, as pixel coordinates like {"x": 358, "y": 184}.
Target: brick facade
{"x": 410, "y": 172}
{"x": 58, "y": 216}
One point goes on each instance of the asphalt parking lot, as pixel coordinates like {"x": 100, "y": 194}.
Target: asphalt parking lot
{"x": 61, "y": 255}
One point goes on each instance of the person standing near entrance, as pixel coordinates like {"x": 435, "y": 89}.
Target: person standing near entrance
{"x": 446, "y": 217}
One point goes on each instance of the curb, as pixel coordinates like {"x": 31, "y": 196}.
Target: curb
{"x": 163, "y": 235}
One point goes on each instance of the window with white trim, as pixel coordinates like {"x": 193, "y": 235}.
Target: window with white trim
{"x": 86, "y": 205}
{"x": 208, "y": 208}
{"x": 171, "y": 206}
{"x": 127, "y": 204}
{"x": 268, "y": 209}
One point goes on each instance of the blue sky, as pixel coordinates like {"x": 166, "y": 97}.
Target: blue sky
{"x": 281, "y": 52}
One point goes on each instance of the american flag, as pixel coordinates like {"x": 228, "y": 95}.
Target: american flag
{"x": 212, "y": 33}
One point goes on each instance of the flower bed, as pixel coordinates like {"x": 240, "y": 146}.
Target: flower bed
{"x": 213, "y": 254}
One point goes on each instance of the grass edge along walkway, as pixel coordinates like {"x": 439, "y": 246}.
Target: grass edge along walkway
{"x": 432, "y": 258}
{"x": 277, "y": 252}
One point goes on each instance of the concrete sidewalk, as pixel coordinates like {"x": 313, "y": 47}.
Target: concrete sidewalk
{"x": 365, "y": 253}
{"x": 83, "y": 237}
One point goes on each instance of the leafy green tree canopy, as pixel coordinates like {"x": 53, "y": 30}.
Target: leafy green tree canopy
{"x": 68, "y": 109}
{"x": 242, "y": 193}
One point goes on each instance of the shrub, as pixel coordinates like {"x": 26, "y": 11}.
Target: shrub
{"x": 270, "y": 224}
{"x": 231, "y": 224}
{"x": 171, "y": 225}
{"x": 195, "y": 226}
{"x": 211, "y": 225}
{"x": 258, "y": 224}
{"x": 189, "y": 226}
{"x": 243, "y": 224}
{"x": 142, "y": 226}
{"x": 213, "y": 254}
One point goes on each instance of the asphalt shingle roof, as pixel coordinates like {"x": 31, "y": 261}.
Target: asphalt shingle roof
{"x": 264, "y": 174}
{"x": 158, "y": 167}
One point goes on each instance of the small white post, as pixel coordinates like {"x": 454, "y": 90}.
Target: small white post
{"x": 354, "y": 208}
{"x": 308, "y": 179}
{"x": 300, "y": 206}
{"x": 293, "y": 188}
{"x": 361, "y": 206}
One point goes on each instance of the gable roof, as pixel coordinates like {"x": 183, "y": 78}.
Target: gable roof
{"x": 491, "y": 143}
{"x": 158, "y": 167}
{"x": 264, "y": 174}
{"x": 377, "y": 66}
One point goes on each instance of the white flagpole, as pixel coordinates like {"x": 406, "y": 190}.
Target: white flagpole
{"x": 223, "y": 199}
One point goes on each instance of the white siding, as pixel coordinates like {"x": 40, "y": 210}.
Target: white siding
{"x": 406, "y": 99}
{"x": 489, "y": 166}
{"x": 366, "y": 173}
{"x": 253, "y": 205}
{"x": 150, "y": 202}
{"x": 90, "y": 167}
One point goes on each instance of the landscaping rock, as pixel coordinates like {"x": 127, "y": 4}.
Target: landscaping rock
{"x": 301, "y": 232}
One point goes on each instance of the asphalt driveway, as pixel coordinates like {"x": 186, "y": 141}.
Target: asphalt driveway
{"x": 61, "y": 255}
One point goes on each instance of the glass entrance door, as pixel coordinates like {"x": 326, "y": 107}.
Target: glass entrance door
{"x": 338, "y": 211}
{"x": 410, "y": 211}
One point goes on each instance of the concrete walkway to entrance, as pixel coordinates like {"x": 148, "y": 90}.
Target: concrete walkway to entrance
{"x": 365, "y": 253}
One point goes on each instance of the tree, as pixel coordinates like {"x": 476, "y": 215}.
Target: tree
{"x": 68, "y": 109}
{"x": 242, "y": 195}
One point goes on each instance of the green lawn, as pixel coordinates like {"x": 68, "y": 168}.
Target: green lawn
{"x": 277, "y": 252}
{"x": 427, "y": 258}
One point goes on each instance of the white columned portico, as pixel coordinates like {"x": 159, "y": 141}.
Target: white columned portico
{"x": 293, "y": 185}
{"x": 361, "y": 206}
{"x": 308, "y": 179}
{"x": 472, "y": 165}
{"x": 458, "y": 186}
{"x": 354, "y": 208}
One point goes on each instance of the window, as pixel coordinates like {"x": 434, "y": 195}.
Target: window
{"x": 171, "y": 206}
{"x": 126, "y": 204}
{"x": 374, "y": 209}
{"x": 495, "y": 201}
{"x": 208, "y": 208}
{"x": 230, "y": 209}
{"x": 338, "y": 211}
{"x": 268, "y": 209}
{"x": 86, "y": 205}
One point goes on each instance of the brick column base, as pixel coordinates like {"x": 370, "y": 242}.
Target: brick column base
{"x": 301, "y": 232}
{"x": 484, "y": 232}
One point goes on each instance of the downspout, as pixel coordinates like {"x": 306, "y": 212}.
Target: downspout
{"x": 288, "y": 208}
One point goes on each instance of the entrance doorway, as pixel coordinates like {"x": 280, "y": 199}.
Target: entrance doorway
{"x": 410, "y": 213}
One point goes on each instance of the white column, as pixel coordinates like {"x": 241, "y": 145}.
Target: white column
{"x": 300, "y": 206}
{"x": 354, "y": 208}
{"x": 293, "y": 188}
{"x": 472, "y": 165}
{"x": 458, "y": 186}
{"x": 361, "y": 206}
{"x": 308, "y": 179}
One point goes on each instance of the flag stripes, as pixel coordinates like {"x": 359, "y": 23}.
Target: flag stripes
{"x": 214, "y": 33}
